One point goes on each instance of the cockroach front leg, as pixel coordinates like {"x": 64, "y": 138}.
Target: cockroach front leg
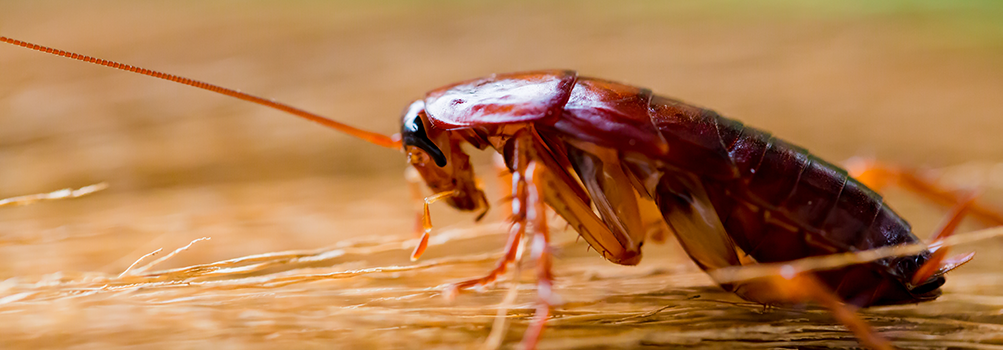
{"x": 423, "y": 222}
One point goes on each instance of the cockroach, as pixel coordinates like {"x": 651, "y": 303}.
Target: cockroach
{"x": 614, "y": 160}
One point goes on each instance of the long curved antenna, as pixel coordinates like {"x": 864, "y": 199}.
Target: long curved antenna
{"x": 369, "y": 136}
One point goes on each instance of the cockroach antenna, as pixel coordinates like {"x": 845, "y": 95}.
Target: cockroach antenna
{"x": 368, "y": 136}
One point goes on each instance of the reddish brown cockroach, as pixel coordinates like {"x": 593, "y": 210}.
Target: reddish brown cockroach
{"x": 613, "y": 159}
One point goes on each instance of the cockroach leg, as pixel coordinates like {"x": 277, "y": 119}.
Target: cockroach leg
{"x": 531, "y": 175}
{"x": 937, "y": 259}
{"x": 414, "y": 184}
{"x": 536, "y": 213}
{"x": 528, "y": 209}
{"x": 878, "y": 175}
{"x": 504, "y": 185}
{"x": 517, "y": 196}
{"x": 516, "y": 232}
{"x": 426, "y": 222}
{"x": 805, "y": 287}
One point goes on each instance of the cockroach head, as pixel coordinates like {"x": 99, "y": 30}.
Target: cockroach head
{"x": 413, "y": 133}
{"x": 436, "y": 155}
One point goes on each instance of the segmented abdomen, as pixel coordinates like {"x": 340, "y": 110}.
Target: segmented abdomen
{"x": 778, "y": 202}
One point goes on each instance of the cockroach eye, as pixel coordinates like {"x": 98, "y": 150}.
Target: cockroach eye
{"x": 413, "y": 134}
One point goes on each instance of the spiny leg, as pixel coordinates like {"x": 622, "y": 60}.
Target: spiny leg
{"x": 528, "y": 208}
{"x": 511, "y": 252}
{"x": 536, "y": 214}
{"x": 517, "y": 215}
{"x": 877, "y": 175}
{"x": 529, "y": 176}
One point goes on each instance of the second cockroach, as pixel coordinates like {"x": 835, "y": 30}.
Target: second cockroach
{"x": 621, "y": 164}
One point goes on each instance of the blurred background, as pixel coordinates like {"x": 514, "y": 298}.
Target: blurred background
{"x": 917, "y": 83}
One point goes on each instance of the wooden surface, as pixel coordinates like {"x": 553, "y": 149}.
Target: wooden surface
{"x": 914, "y": 83}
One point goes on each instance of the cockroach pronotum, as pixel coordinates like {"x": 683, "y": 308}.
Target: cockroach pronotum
{"x": 614, "y": 161}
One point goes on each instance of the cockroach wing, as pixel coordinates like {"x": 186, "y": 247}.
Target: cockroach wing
{"x": 500, "y": 99}
{"x": 613, "y": 194}
{"x": 689, "y": 212}
{"x": 560, "y": 194}
{"x": 698, "y": 138}
{"x": 612, "y": 115}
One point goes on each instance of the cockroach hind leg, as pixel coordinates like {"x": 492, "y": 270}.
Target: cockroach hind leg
{"x": 799, "y": 288}
{"x": 954, "y": 262}
{"x": 876, "y": 176}
{"x": 869, "y": 172}
{"x": 934, "y": 265}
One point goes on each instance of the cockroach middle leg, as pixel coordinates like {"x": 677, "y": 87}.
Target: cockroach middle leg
{"x": 516, "y": 233}
{"x": 528, "y": 202}
{"x": 516, "y": 213}
{"x": 541, "y": 252}
{"x": 529, "y": 210}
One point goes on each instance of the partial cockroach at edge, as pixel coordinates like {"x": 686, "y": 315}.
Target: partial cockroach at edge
{"x": 621, "y": 164}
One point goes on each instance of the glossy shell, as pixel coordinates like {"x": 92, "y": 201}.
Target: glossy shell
{"x": 775, "y": 201}
{"x": 500, "y": 99}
